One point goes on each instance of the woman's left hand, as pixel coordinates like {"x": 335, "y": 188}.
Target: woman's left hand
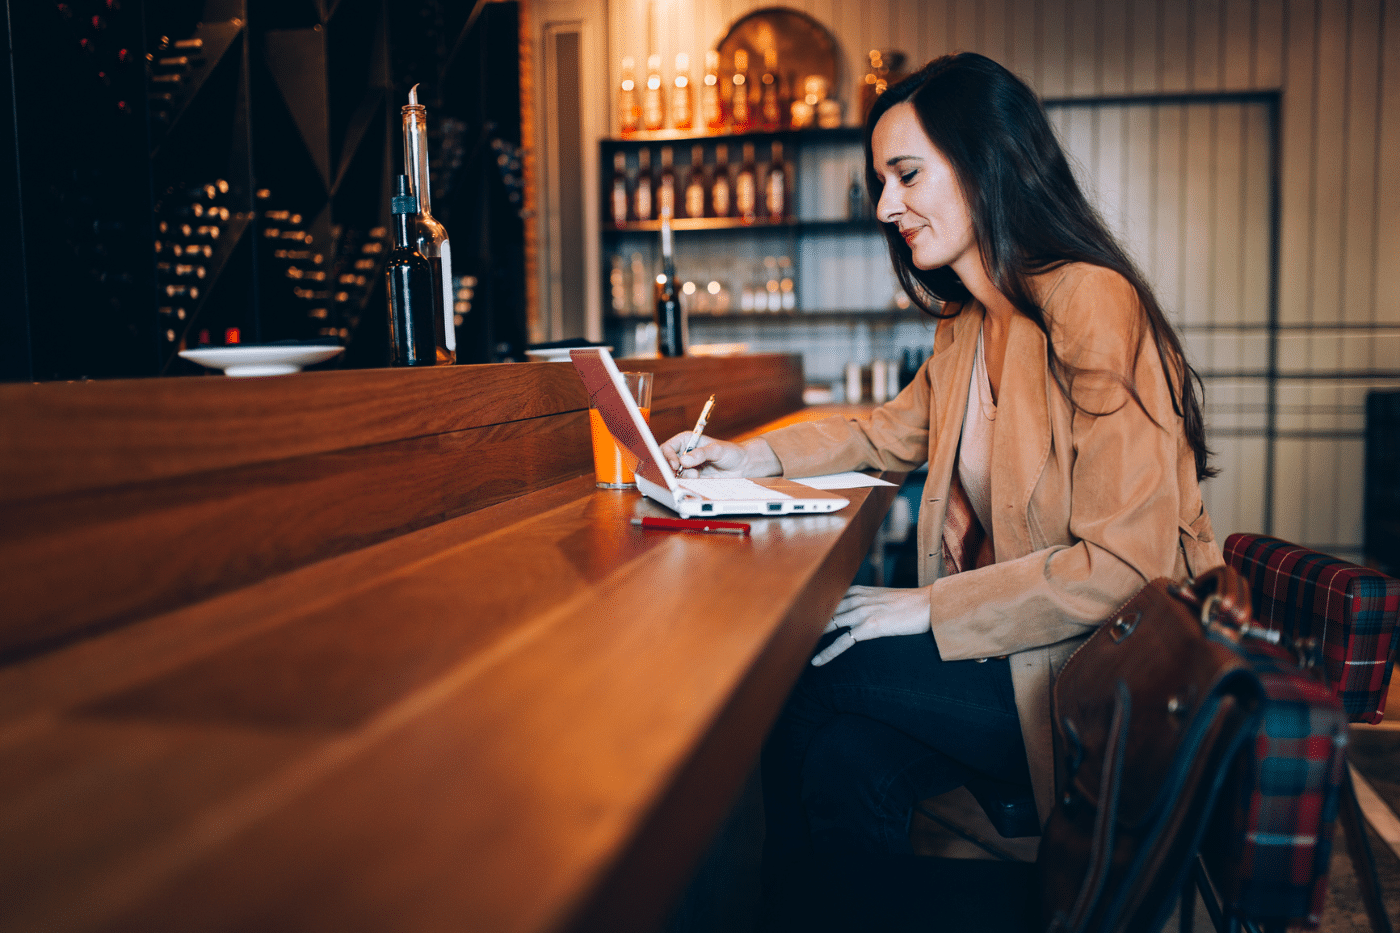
{"x": 867, "y": 612}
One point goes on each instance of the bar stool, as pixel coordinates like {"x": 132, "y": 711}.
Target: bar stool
{"x": 1008, "y": 807}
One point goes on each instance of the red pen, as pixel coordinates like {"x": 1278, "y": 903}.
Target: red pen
{"x": 693, "y": 524}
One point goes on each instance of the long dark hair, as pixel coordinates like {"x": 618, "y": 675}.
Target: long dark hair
{"x": 1028, "y": 214}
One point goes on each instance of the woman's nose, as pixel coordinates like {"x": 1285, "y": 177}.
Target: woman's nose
{"x": 889, "y": 207}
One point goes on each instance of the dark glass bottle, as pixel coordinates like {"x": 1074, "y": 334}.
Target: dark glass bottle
{"x": 641, "y": 196}
{"x": 695, "y": 183}
{"x": 746, "y": 188}
{"x": 430, "y": 237}
{"x": 666, "y": 185}
{"x": 722, "y": 189}
{"x": 670, "y": 320}
{"x": 412, "y": 336}
{"x": 775, "y": 190}
{"x": 619, "y": 189}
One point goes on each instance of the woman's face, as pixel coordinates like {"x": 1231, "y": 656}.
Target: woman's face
{"x": 921, "y": 195}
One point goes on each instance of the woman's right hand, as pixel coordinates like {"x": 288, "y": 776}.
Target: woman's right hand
{"x": 721, "y": 458}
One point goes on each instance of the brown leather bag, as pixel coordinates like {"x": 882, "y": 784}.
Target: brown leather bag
{"x": 1148, "y": 714}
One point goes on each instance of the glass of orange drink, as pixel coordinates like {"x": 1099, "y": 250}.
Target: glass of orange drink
{"x": 613, "y": 464}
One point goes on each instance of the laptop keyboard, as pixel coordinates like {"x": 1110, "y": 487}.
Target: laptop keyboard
{"x": 726, "y": 489}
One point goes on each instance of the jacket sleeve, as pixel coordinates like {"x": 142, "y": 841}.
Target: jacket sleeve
{"x": 1123, "y": 498}
{"x": 894, "y": 437}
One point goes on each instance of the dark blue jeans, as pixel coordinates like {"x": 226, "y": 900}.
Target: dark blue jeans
{"x": 866, "y": 737}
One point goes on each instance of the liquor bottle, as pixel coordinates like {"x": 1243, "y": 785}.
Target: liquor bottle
{"x": 804, "y": 108}
{"x": 412, "y": 314}
{"x": 695, "y": 183}
{"x": 770, "y": 109}
{"x": 739, "y": 114}
{"x": 670, "y": 319}
{"x": 721, "y": 190}
{"x": 746, "y": 188}
{"x": 641, "y": 198}
{"x": 856, "y": 203}
{"x": 617, "y": 282}
{"x": 785, "y": 284}
{"x": 653, "y": 98}
{"x": 775, "y": 191}
{"x": 430, "y": 237}
{"x": 666, "y": 185}
{"x": 183, "y": 45}
{"x": 629, "y": 109}
{"x": 640, "y": 279}
{"x": 619, "y": 189}
{"x": 683, "y": 97}
{"x": 711, "y": 110}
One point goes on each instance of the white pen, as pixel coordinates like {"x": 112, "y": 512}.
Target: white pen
{"x": 700, "y": 423}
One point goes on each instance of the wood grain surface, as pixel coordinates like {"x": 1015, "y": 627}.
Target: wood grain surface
{"x": 119, "y": 500}
{"x": 330, "y": 677}
{"x": 528, "y": 727}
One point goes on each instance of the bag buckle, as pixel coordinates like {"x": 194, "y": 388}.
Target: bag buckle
{"x": 1122, "y": 626}
{"x": 1208, "y": 607}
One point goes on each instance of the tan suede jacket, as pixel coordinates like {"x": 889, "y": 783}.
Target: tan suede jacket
{"x": 1086, "y": 508}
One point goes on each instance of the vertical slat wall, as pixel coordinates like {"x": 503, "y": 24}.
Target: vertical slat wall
{"x": 1337, "y": 316}
{"x": 1187, "y": 187}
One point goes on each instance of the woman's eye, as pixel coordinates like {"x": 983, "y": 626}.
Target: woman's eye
{"x": 908, "y": 176}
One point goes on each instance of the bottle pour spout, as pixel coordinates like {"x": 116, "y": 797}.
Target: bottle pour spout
{"x": 413, "y": 96}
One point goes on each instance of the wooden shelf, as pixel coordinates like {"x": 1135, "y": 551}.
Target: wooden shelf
{"x": 696, "y": 224}
{"x": 834, "y": 316}
{"x": 691, "y": 224}
{"x": 839, "y": 134}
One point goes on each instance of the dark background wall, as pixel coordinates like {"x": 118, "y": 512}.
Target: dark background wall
{"x": 155, "y": 195}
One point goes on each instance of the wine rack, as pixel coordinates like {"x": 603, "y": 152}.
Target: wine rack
{"x": 196, "y": 233}
{"x": 186, "y": 172}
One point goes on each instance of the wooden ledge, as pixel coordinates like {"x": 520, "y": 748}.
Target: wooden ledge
{"x": 510, "y": 714}
{"x": 525, "y": 720}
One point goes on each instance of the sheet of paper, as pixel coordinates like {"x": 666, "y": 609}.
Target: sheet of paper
{"x": 851, "y": 480}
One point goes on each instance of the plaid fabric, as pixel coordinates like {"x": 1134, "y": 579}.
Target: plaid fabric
{"x": 1350, "y": 610}
{"x": 1271, "y": 844}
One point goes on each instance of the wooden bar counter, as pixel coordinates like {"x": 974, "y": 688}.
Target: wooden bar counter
{"x": 368, "y": 651}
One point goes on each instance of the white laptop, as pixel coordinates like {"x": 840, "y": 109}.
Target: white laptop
{"x": 692, "y": 498}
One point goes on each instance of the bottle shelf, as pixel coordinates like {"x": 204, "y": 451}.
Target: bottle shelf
{"x": 695, "y": 224}
{"x": 232, "y": 236}
{"x": 833, "y": 316}
{"x": 218, "y": 39}
{"x": 837, "y": 134}
{"x": 820, "y": 225}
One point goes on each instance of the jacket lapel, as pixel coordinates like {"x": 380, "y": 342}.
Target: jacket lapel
{"x": 950, "y": 371}
{"x": 1021, "y": 444}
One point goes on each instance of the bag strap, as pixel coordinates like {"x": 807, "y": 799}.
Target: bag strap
{"x": 1222, "y": 598}
{"x": 1105, "y": 820}
{"x": 1219, "y": 595}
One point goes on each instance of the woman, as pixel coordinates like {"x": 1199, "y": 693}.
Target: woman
{"x": 1064, "y": 441}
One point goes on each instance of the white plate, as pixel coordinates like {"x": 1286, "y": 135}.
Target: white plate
{"x": 554, "y": 354}
{"x": 261, "y": 361}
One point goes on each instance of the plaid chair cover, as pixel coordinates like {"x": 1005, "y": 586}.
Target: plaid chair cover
{"x": 1271, "y": 845}
{"x": 1350, "y": 610}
